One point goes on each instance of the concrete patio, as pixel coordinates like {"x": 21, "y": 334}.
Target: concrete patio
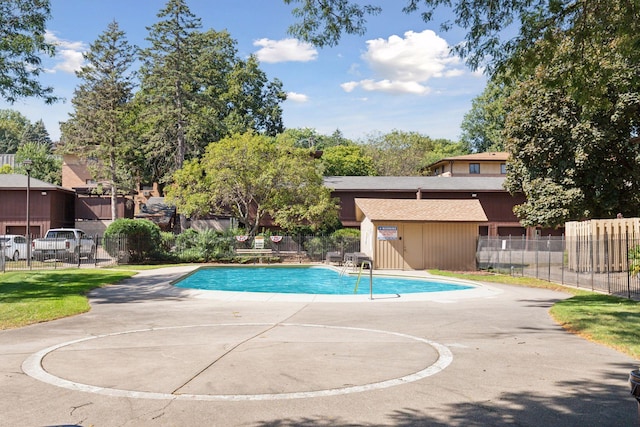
{"x": 149, "y": 354}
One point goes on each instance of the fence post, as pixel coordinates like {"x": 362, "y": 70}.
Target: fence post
{"x": 537, "y": 249}
{"x": 563, "y": 247}
{"x": 549, "y": 251}
{"x": 628, "y": 269}
{"x": 606, "y": 260}
{"x": 510, "y": 256}
{"x": 522, "y": 255}
{"x": 591, "y": 261}
{"x": 95, "y": 250}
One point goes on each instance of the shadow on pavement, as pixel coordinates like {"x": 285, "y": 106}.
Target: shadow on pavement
{"x": 140, "y": 289}
{"x": 586, "y": 403}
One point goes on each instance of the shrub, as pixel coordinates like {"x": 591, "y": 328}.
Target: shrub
{"x": 204, "y": 246}
{"x": 186, "y": 240}
{"x": 141, "y": 240}
{"x": 316, "y": 247}
{"x": 346, "y": 239}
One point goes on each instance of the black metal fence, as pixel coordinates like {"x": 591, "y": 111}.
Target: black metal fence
{"x": 608, "y": 265}
{"x": 18, "y": 254}
{"x": 204, "y": 247}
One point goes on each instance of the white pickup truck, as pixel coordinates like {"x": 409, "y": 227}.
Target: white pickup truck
{"x": 68, "y": 244}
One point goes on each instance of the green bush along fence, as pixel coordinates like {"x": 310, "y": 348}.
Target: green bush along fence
{"x": 192, "y": 246}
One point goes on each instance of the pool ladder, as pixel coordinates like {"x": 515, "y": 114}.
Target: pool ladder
{"x": 345, "y": 267}
{"x": 350, "y": 263}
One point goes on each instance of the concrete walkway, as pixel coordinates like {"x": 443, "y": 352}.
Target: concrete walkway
{"x": 150, "y": 354}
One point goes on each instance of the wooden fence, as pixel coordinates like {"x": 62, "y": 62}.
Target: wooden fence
{"x": 601, "y": 245}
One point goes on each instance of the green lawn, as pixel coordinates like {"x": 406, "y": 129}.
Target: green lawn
{"x": 609, "y": 320}
{"x": 605, "y": 319}
{"x": 39, "y": 296}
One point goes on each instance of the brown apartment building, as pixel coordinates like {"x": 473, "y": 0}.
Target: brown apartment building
{"x": 50, "y": 206}
{"x": 478, "y": 164}
{"x": 496, "y": 202}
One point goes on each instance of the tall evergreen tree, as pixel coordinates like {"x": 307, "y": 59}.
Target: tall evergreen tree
{"x": 98, "y": 128}
{"x": 37, "y": 132}
{"x": 196, "y": 90}
{"x": 167, "y": 91}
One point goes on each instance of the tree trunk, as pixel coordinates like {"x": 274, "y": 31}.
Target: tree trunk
{"x": 114, "y": 189}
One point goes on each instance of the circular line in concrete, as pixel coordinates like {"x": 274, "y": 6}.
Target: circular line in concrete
{"x": 32, "y": 366}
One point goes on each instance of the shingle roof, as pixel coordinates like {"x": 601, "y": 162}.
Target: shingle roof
{"x": 432, "y": 210}
{"x": 15, "y": 181}
{"x": 413, "y": 183}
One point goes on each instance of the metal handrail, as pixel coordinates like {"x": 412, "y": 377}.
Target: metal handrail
{"x": 370, "y": 277}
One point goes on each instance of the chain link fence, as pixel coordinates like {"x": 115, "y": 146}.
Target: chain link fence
{"x": 604, "y": 265}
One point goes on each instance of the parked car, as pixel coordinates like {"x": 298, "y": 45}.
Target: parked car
{"x": 13, "y": 246}
{"x": 63, "y": 243}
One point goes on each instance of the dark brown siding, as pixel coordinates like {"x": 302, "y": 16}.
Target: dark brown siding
{"x": 99, "y": 208}
{"x": 48, "y": 209}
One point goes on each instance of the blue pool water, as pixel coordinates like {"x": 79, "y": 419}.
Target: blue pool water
{"x": 305, "y": 280}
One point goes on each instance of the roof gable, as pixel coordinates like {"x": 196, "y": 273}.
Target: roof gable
{"x": 423, "y": 210}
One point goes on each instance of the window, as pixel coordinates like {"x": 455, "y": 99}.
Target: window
{"x": 474, "y": 168}
{"x": 503, "y": 168}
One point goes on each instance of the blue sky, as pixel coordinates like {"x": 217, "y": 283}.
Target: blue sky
{"x": 399, "y": 75}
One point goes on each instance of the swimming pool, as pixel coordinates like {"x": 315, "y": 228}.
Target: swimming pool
{"x": 306, "y": 280}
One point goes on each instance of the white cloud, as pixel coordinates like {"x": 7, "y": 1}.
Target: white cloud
{"x": 354, "y": 69}
{"x": 454, "y": 73}
{"x": 286, "y": 50}
{"x": 406, "y": 64}
{"x": 297, "y": 97}
{"x": 349, "y": 86}
{"x": 396, "y": 86}
{"x": 68, "y": 53}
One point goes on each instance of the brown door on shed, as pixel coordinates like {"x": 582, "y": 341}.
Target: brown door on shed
{"x": 412, "y": 246}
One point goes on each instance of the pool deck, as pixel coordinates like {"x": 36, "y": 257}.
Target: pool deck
{"x": 150, "y": 354}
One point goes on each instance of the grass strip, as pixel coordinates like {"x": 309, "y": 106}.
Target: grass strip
{"x": 609, "y": 320}
{"x": 39, "y": 296}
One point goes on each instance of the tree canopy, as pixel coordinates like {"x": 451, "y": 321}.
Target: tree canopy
{"x": 483, "y": 126}
{"x": 572, "y": 154}
{"x": 250, "y": 176}
{"x": 22, "y": 43}
{"x": 13, "y": 126}
{"x": 45, "y": 166}
{"x": 400, "y": 153}
{"x": 347, "y": 160}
